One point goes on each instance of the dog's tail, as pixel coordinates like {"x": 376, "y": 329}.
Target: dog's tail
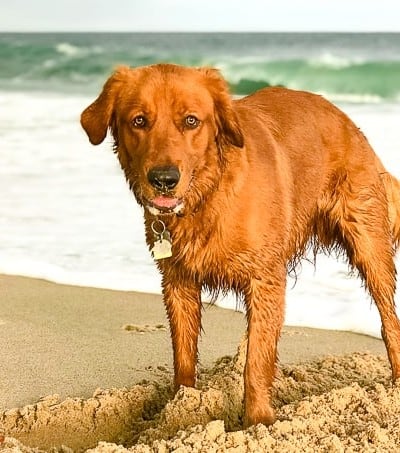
{"x": 392, "y": 187}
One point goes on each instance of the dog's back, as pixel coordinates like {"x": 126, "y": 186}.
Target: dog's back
{"x": 321, "y": 154}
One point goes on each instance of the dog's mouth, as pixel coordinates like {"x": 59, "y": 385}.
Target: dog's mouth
{"x": 163, "y": 204}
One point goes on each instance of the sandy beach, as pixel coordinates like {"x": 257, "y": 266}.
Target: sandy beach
{"x": 85, "y": 368}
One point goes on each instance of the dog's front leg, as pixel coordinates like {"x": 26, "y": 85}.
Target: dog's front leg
{"x": 265, "y": 315}
{"x": 183, "y": 305}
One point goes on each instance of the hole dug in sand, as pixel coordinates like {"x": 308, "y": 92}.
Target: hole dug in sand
{"x": 335, "y": 404}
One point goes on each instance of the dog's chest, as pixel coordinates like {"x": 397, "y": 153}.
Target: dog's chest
{"x": 211, "y": 255}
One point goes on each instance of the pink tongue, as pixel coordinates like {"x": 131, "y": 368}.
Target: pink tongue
{"x": 165, "y": 202}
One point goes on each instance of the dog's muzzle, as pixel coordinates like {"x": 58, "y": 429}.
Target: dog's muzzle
{"x": 164, "y": 180}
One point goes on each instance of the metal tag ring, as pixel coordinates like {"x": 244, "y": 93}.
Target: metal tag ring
{"x": 154, "y": 229}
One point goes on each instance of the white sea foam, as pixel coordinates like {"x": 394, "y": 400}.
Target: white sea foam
{"x": 70, "y": 50}
{"x": 66, "y": 213}
{"x": 331, "y": 60}
{"x": 353, "y": 98}
{"x": 67, "y": 49}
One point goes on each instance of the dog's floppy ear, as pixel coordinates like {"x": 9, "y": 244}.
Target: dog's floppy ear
{"x": 229, "y": 131}
{"x": 96, "y": 118}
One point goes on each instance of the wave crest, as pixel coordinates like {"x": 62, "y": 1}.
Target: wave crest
{"x": 68, "y": 49}
{"x": 361, "y": 81}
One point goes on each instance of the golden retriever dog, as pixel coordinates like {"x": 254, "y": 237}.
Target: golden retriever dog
{"x": 235, "y": 192}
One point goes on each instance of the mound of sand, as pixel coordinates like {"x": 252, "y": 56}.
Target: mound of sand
{"x": 333, "y": 404}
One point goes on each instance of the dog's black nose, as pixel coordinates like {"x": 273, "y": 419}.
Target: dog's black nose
{"x": 164, "y": 179}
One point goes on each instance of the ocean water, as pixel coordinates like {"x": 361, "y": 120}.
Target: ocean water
{"x": 66, "y": 213}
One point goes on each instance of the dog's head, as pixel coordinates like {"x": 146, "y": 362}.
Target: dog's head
{"x": 172, "y": 126}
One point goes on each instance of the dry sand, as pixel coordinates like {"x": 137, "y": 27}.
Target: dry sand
{"x": 61, "y": 343}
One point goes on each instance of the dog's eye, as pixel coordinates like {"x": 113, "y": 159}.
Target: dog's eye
{"x": 139, "y": 121}
{"x": 191, "y": 121}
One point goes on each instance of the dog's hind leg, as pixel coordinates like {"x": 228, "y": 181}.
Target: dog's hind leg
{"x": 362, "y": 217}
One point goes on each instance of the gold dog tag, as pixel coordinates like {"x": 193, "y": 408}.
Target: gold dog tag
{"x": 161, "y": 249}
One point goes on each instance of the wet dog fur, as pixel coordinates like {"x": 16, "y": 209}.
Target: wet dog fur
{"x": 255, "y": 182}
